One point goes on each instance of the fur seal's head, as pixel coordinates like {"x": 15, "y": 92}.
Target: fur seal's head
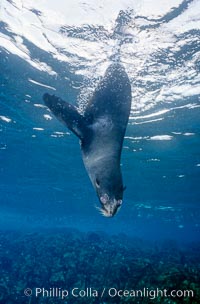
{"x": 105, "y": 174}
{"x": 110, "y": 196}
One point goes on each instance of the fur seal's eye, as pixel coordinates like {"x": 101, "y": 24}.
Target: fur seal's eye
{"x": 97, "y": 183}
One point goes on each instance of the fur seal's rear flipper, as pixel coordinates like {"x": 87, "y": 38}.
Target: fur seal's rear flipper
{"x": 67, "y": 114}
{"x": 101, "y": 130}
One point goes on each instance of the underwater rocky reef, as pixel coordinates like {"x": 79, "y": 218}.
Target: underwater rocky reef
{"x": 69, "y": 266}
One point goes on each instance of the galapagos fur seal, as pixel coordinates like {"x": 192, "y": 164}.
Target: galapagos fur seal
{"x": 101, "y": 132}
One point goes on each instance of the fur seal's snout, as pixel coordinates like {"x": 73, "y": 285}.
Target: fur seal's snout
{"x": 109, "y": 206}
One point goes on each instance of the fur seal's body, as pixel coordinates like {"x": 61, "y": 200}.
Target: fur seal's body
{"x": 101, "y": 131}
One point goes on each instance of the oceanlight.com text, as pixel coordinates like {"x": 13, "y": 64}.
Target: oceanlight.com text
{"x": 112, "y": 292}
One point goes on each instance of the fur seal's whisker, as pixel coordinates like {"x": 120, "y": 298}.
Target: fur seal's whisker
{"x": 102, "y": 211}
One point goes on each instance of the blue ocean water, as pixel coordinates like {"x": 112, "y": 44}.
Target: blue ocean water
{"x": 43, "y": 182}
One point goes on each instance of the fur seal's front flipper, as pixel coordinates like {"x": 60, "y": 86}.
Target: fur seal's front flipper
{"x": 67, "y": 114}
